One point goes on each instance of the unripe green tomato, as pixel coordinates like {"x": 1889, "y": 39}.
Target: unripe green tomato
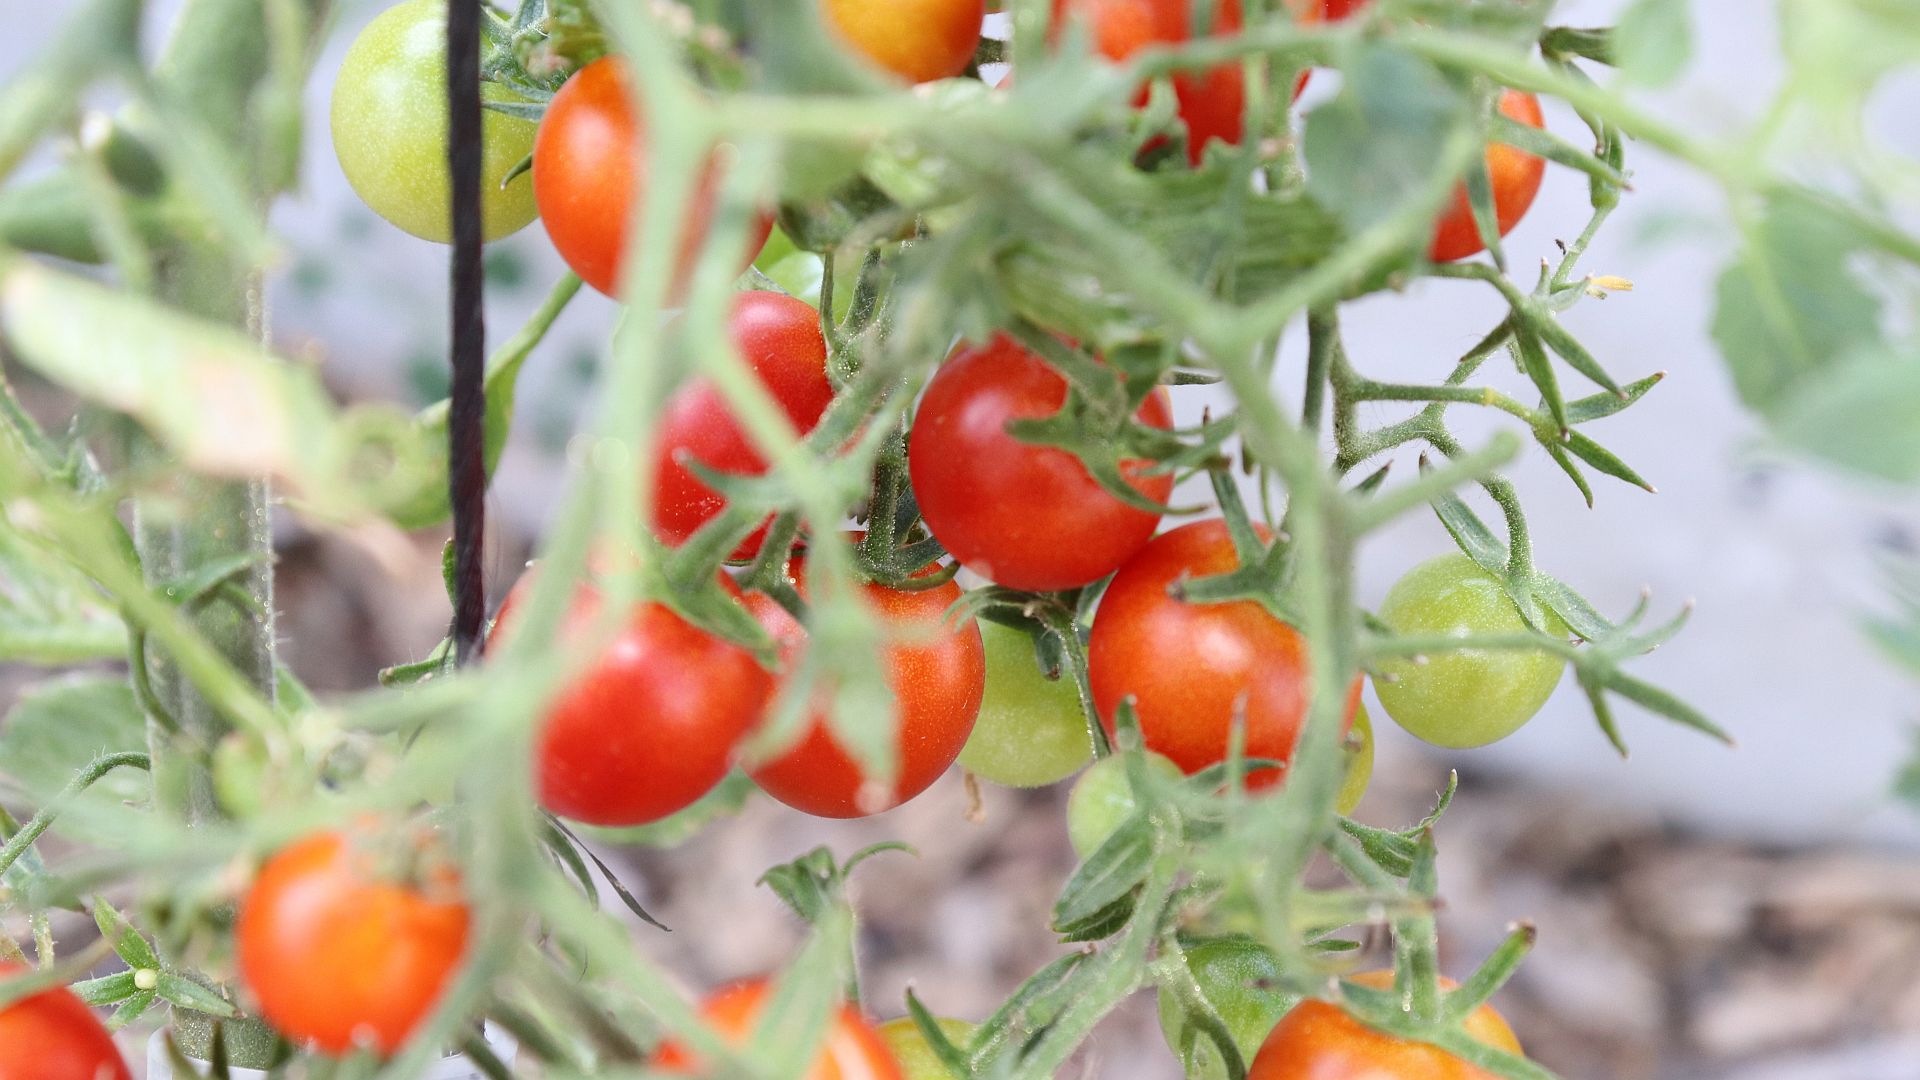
{"x": 1463, "y": 698}
{"x": 389, "y": 119}
{"x": 1359, "y": 762}
{"x": 1102, "y": 800}
{"x": 910, "y": 1049}
{"x": 1031, "y": 729}
{"x": 1239, "y": 977}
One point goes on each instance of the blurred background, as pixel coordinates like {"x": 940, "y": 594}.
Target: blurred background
{"x": 1703, "y": 912}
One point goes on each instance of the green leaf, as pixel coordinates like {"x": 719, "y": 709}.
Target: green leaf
{"x": 49, "y": 612}
{"x": 127, "y": 942}
{"x": 185, "y": 992}
{"x": 169, "y": 371}
{"x": 1109, "y": 874}
{"x": 59, "y": 727}
{"x": 1653, "y": 41}
{"x": 132, "y": 1009}
{"x": 1793, "y": 305}
{"x": 1381, "y": 137}
{"x": 106, "y": 989}
{"x": 1472, "y": 534}
{"x": 1863, "y": 415}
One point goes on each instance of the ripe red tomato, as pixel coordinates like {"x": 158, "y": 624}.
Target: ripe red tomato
{"x": 588, "y": 166}
{"x": 1516, "y": 177}
{"x": 1026, "y": 516}
{"x": 1320, "y": 1041}
{"x": 918, "y": 40}
{"x": 341, "y": 956}
{"x": 937, "y": 670}
{"x": 1192, "y": 668}
{"x": 851, "y": 1050}
{"x": 780, "y": 337}
{"x": 1211, "y": 101}
{"x": 52, "y": 1035}
{"x": 1335, "y": 10}
{"x": 652, "y": 724}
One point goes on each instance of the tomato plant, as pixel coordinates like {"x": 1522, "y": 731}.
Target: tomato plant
{"x": 652, "y": 723}
{"x": 1320, "y": 1041}
{"x": 918, "y": 40}
{"x": 1464, "y": 697}
{"x": 135, "y": 544}
{"x": 936, "y": 667}
{"x": 590, "y": 163}
{"x": 1187, "y": 699}
{"x": 1240, "y": 979}
{"x": 852, "y": 1050}
{"x": 1023, "y": 515}
{"x": 779, "y": 337}
{"x": 340, "y": 956}
{"x": 1031, "y": 730}
{"x": 52, "y": 1036}
{"x": 390, "y": 129}
{"x": 1515, "y": 176}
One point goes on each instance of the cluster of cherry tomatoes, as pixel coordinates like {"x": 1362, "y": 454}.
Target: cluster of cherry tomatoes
{"x": 658, "y": 717}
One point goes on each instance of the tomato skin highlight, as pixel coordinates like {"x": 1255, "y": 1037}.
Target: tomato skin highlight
{"x": 587, "y": 171}
{"x": 1463, "y": 698}
{"x": 1025, "y": 516}
{"x": 852, "y": 1048}
{"x": 337, "y": 955}
{"x": 650, "y": 725}
{"x": 918, "y": 40}
{"x": 1213, "y": 101}
{"x": 937, "y": 671}
{"x": 1031, "y": 730}
{"x": 388, "y": 118}
{"x": 780, "y": 338}
{"x": 52, "y": 1035}
{"x": 1516, "y": 177}
{"x": 1190, "y": 668}
{"x": 1321, "y": 1041}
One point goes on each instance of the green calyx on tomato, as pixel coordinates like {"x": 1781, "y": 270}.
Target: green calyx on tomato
{"x": 1031, "y": 730}
{"x": 389, "y": 120}
{"x": 1463, "y": 698}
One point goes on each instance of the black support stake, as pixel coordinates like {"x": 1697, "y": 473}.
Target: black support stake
{"x": 466, "y": 449}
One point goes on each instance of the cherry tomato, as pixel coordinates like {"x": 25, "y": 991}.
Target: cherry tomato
{"x": 389, "y": 119}
{"x": 1462, "y": 698}
{"x": 1239, "y": 977}
{"x": 1031, "y": 731}
{"x": 1516, "y": 177}
{"x": 1191, "y": 669}
{"x": 917, "y": 1059}
{"x": 780, "y": 337}
{"x": 52, "y": 1035}
{"x": 937, "y": 671}
{"x": 1335, "y": 10}
{"x": 1321, "y": 1041}
{"x": 339, "y": 954}
{"x": 652, "y": 724}
{"x": 1023, "y": 515}
{"x": 918, "y": 40}
{"x": 852, "y": 1049}
{"x": 1211, "y": 101}
{"x": 588, "y": 166}
{"x": 1102, "y": 800}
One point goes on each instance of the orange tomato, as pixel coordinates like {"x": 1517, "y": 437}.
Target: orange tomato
{"x": 1321, "y": 1041}
{"x": 918, "y": 40}
{"x": 1516, "y": 177}
{"x": 853, "y": 1049}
